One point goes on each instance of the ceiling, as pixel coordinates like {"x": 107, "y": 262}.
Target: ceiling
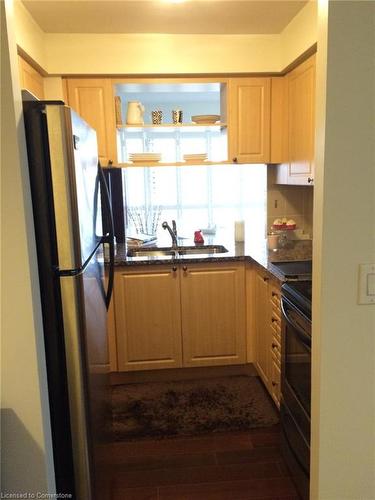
{"x": 158, "y": 16}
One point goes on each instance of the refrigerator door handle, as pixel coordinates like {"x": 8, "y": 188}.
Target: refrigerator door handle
{"x": 79, "y": 270}
{"x": 110, "y": 237}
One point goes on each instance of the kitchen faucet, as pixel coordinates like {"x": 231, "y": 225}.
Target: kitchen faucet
{"x": 172, "y": 232}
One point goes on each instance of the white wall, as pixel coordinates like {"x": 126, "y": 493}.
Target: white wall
{"x": 300, "y": 34}
{"x": 343, "y": 400}
{"x": 28, "y": 34}
{"x": 26, "y": 441}
{"x": 116, "y": 54}
{"x": 161, "y": 54}
{"x": 53, "y": 88}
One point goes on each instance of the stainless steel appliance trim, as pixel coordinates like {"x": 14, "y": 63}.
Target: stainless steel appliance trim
{"x": 61, "y": 160}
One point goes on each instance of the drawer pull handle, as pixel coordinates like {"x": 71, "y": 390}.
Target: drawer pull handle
{"x": 274, "y": 383}
{"x": 184, "y": 268}
{"x": 274, "y": 345}
{"x": 174, "y": 269}
{"x": 265, "y": 278}
{"x": 274, "y": 320}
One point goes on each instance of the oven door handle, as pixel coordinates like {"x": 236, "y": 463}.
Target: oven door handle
{"x": 295, "y": 456}
{"x": 304, "y": 337}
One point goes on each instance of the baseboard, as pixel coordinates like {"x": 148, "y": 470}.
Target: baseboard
{"x": 181, "y": 374}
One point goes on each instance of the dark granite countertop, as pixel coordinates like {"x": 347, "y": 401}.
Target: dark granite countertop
{"x": 253, "y": 249}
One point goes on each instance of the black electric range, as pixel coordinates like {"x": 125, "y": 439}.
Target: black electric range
{"x": 300, "y": 294}
{"x": 296, "y": 374}
{"x": 298, "y": 270}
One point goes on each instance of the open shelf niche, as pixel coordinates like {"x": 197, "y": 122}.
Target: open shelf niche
{"x": 169, "y": 139}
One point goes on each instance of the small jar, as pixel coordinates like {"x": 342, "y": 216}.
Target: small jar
{"x": 273, "y": 241}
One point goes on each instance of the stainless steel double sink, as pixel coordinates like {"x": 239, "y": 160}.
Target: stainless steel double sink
{"x": 176, "y": 252}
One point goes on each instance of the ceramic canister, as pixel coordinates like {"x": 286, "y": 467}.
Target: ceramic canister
{"x": 156, "y": 117}
{"x": 135, "y": 112}
{"x": 177, "y": 116}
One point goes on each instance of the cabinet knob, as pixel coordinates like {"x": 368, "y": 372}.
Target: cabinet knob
{"x": 274, "y": 383}
{"x": 274, "y": 294}
{"x": 265, "y": 278}
{"x": 235, "y": 159}
{"x": 174, "y": 269}
{"x": 184, "y": 268}
{"x": 274, "y": 345}
{"x": 110, "y": 163}
{"x": 310, "y": 180}
{"x": 274, "y": 320}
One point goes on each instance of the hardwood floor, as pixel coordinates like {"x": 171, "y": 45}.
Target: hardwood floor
{"x": 228, "y": 466}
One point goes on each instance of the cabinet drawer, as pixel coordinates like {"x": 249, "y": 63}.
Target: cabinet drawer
{"x": 276, "y": 356}
{"x": 275, "y": 382}
{"x": 275, "y": 324}
{"x": 275, "y": 297}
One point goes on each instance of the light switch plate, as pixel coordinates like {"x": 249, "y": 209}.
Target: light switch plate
{"x": 366, "y": 284}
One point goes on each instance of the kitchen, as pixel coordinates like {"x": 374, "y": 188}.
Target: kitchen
{"x": 325, "y": 474}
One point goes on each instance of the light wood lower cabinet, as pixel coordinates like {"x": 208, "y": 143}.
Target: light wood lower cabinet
{"x": 174, "y": 316}
{"x": 262, "y": 329}
{"x": 148, "y": 318}
{"x": 213, "y": 314}
{"x": 268, "y": 332}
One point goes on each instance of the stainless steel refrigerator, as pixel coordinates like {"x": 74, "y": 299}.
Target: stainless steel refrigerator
{"x": 69, "y": 195}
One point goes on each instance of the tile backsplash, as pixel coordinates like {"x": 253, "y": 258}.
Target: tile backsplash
{"x": 292, "y": 202}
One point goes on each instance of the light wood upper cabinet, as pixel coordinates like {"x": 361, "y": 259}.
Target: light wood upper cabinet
{"x": 92, "y": 99}
{"x": 301, "y": 105}
{"x": 298, "y": 167}
{"x": 148, "y": 320}
{"x": 213, "y": 314}
{"x": 30, "y": 79}
{"x": 279, "y": 120}
{"x": 249, "y": 120}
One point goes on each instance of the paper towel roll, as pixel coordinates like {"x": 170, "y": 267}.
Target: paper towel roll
{"x": 239, "y": 230}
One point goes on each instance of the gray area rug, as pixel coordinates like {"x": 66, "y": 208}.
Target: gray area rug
{"x": 189, "y": 408}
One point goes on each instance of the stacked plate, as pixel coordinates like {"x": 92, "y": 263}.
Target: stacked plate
{"x": 144, "y": 157}
{"x": 195, "y": 158}
{"x": 205, "y": 119}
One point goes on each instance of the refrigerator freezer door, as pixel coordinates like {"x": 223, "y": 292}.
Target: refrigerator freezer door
{"x": 74, "y": 167}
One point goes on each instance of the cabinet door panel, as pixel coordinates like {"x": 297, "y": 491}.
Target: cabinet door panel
{"x": 92, "y": 99}
{"x": 213, "y": 315}
{"x": 148, "y": 320}
{"x": 250, "y": 119}
{"x": 301, "y": 84}
{"x": 30, "y": 79}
